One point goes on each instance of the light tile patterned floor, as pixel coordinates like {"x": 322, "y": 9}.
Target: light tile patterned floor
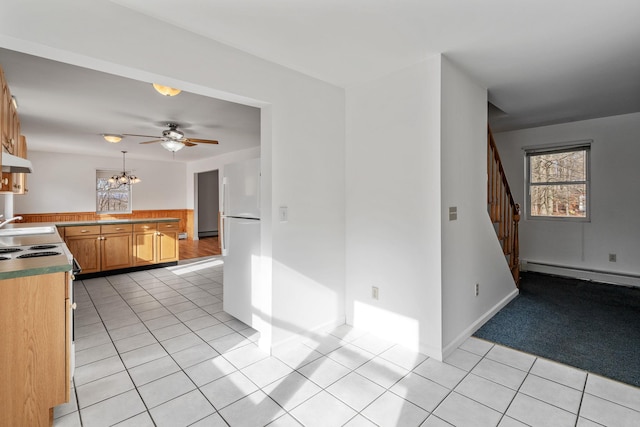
{"x": 155, "y": 348}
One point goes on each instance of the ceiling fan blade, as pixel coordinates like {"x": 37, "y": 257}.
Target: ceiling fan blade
{"x": 189, "y": 144}
{"x": 149, "y": 142}
{"x": 200, "y": 141}
{"x": 144, "y": 136}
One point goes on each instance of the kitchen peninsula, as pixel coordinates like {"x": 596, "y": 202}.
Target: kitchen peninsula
{"x": 119, "y": 245}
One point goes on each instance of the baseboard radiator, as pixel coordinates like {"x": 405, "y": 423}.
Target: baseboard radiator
{"x": 604, "y": 276}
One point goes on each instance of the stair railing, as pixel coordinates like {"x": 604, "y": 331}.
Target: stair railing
{"x": 503, "y": 211}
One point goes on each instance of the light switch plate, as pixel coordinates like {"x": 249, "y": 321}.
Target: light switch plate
{"x": 453, "y": 213}
{"x": 283, "y": 214}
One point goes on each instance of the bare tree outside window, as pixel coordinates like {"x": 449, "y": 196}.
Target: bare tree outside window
{"x": 558, "y": 183}
{"x": 109, "y": 198}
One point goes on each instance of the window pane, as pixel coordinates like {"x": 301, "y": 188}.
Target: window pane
{"x": 109, "y": 198}
{"x": 559, "y": 200}
{"x": 558, "y": 167}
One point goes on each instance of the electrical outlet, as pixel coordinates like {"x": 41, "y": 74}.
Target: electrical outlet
{"x": 612, "y": 257}
{"x": 477, "y": 288}
{"x": 375, "y": 292}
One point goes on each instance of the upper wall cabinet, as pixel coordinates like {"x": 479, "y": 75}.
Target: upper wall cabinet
{"x": 10, "y": 138}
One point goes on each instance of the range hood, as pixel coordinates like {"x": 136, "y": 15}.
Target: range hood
{"x": 15, "y": 164}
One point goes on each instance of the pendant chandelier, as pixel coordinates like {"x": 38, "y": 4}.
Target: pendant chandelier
{"x": 123, "y": 178}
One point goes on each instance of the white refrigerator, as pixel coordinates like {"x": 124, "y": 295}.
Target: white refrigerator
{"x": 241, "y": 237}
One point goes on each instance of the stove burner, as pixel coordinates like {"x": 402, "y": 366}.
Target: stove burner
{"x": 9, "y": 250}
{"x": 38, "y": 254}
{"x": 41, "y": 247}
{"x": 2, "y": 258}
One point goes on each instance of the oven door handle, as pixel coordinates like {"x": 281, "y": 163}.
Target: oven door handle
{"x": 76, "y": 269}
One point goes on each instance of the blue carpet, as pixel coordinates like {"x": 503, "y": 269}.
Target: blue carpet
{"x": 588, "y": 325}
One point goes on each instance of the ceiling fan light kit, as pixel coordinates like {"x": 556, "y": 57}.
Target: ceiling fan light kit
{"x": 173, "y": 139}
{"x": 172, "y": 146}
{"x": 166, "y": 90}
{"x": 112, "y": 138}
{"x": 123, "y": 178}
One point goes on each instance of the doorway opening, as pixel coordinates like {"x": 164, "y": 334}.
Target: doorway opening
{"x": 208, "y": 204}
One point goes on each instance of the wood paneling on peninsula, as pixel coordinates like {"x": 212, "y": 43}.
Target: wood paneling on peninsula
{"x": 185, "y": 216}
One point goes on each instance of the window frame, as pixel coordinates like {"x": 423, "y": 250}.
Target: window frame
{"x": 555, "y": 149}
{"x": 106, "y": 174}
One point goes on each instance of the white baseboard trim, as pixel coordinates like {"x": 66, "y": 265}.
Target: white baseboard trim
{"x": 611, "y": 277}
{"x": 450, "y": 348}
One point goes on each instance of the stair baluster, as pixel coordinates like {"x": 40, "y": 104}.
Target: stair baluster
{"x": 503, "y": 211}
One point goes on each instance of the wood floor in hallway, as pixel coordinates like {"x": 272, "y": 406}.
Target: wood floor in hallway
{"x": 206, "y": 246}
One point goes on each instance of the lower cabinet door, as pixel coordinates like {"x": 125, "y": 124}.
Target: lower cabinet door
{"x": 86, "y": 250}
{"x": 168, "y": 249}
{"x": 116, "y": 251}
{"x": 144, "y": 248}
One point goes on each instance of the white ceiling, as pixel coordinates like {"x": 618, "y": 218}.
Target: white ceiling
{"x": 65, "y": 108}
{"x": 543, "y": 62}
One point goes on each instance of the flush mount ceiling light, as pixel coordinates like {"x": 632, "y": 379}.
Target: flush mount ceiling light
{"x": 123, "y": 178}
{"x": 112, "y": 138}
{"x": 166, "y": 90}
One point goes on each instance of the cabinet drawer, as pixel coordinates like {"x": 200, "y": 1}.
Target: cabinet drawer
{"x": 144, "y": 226}
{"x": 81, "y": 230}
{"x": 168, "y": 226}
{"x": 116, "y": 228}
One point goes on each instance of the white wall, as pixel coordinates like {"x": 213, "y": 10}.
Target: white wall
{"x": 393, "y": 206}
{"x": 416, "y": 145}
{"x": 302, "y": 138}
{"x": 615, "y": 178}
{"x": 471, "y": 252}
{"x": 67, "y": 183}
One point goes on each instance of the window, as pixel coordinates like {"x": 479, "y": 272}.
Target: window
{"x": 558, "y": 182}
{"x": 110, "y": 198}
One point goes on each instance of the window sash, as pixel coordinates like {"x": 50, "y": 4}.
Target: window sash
{"x": 574, "y": 204}
{"x": 112, "y": 200}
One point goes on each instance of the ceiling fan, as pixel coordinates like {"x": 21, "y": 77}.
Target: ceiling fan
{"x": 173, "y": 139}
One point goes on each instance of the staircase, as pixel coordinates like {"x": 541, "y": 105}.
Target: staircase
{"x": 503, "y": 211}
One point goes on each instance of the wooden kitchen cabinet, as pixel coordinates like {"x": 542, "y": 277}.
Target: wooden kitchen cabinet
{"x": 84, "y": 243}
{"x": 119, "y": 246}
{"x": 11, "y": 140}
{"x": 145, "y": 248}
{"x": 100, "y": 248}
{"x": 168, "y": 245}
{"x": 36, "y": 342}
{"x": 116, "y": 249}
{"x": 155, "y": 243}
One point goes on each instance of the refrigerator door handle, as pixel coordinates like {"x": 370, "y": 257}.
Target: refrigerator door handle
{"x": 223, "y": 236}
{"x": 224, "y": 196}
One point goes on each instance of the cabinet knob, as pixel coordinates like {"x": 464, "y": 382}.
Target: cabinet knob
{"x": 84, "y": 231}
{"x": 74, "y": 306}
